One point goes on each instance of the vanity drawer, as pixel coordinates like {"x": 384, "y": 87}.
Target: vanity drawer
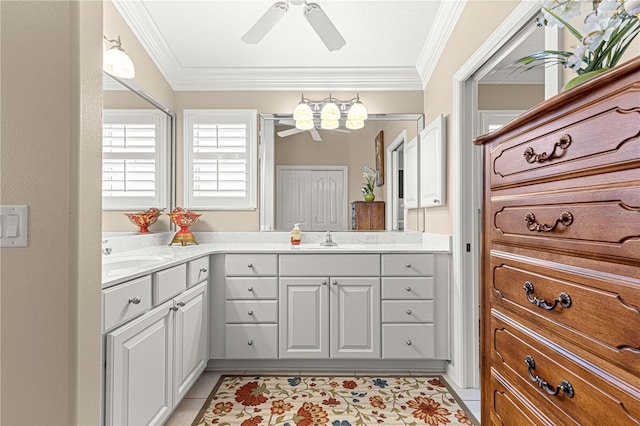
{"x": 407, "y": 311}
{"x": 407, "y": 264}
{"x": 538, "y": 367}
{"x": 198, "y": 270}
{"x": 403, "y": 341}
{"x": 168, "y": 283}
{"x": 329, "y": 265}
{"x": 125, "y": 301}
{"x": 250, "y": 341}
{"x": 251, "y": 264}
{"x": 594, "y": 221}
{"x": 578, "y": 304}
{"x": 251, "y": 311}
{"x": 251, "y": 288}
{"x": 408, "y": 288}
{"x": 582, "y": 146}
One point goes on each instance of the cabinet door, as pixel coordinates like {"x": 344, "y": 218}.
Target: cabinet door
{"x": 355, "y": 317}
{"x": 304, "y": 319}
{"x": 410, "y": 175}
{"x": 432, "y": 163}
{"x": 191, "y": 331}
{"x": 139, "y": 364}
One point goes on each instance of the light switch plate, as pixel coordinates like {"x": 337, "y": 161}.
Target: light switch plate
{"x": 13, "y": 226}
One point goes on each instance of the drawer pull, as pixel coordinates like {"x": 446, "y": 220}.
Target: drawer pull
{"x": 334, "y": 282}
{"x": 408, "y": 311}
{"x": 324, "y": 282}
{"x": 566, "y": 218}
{"x": 250, "y": 343}
{"x": 250, "y": 265}
{"x": 177, "y": 307}
{"x": 408, "y": 288}
{"x": 408, "y": 342}
{"x": 250, "y": 312}
{"x": 250, "y": 289}
{"x": 135, "y": 300}
{"x": 563, "y": 299}
{"x": 564, "y": 385}
{"x": 408, "y": 265}
{"x": 532, "y": 157}
{"x": 203, "y": 270}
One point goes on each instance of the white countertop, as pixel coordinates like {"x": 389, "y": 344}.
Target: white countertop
{"x": 155, "y": 258}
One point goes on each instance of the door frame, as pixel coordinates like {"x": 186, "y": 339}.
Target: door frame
{"x": 390, "y": 173}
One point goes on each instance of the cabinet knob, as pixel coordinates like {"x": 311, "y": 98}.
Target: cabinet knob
{"x": 407, "y": 265}
{"x": 408, "y": 288}
{"x": 250, "y": 289}
{"x": 324, "y": 282}
{"x": 250, "y": 265}
{"x": 135, "y": 300}
{"x": 203, "y": 269}
{"x": 408, "y": 311}
{"x": 250, "y": 312}
{"x": 250, "y": 343}
{"x": 180, "y": 304}
{"x": 334, "y": 282}
{"x": 436, "y": 201}
{"x": 409, "y": 343}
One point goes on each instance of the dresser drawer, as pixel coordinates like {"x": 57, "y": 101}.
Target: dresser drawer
{"x": 349, "y": 265}
{"x": 581, "y": 305}
{"x": 168, "y": 283}
{"x": 408, "y": 288}
{"x": 400, "y": 341}
{"x": 198, "y": 270}
{"x": 251, "y": 311}
{"x": 539, "y": 367}
{"x": 251, "y": 288}
{"x": 249, "y": 341}
{"x": 508, "y": 408}
{"x": 251, "y": 264}
{"x": 595, "y": 221}
{"x": 407, "y": 311}
{"x": 583, "y": 145}
{"x": 407, "y": 264}
{"x": 125, "y": 301}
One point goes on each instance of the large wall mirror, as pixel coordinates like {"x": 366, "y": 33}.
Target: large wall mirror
{"x": 314, "y": 177}
{"x": 141, "y": 157}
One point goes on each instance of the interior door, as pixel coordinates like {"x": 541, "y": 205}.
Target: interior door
{"x": 294, "y": 199}
{"x": 327, "y": 200}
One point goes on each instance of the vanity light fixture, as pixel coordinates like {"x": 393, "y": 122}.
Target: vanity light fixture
{"x": 331, "y": 112}
{"x": 115, "y": 60}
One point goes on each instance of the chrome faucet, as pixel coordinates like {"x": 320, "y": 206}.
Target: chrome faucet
{"x": 328, "y": 240}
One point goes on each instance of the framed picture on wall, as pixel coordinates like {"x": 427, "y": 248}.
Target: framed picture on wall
{"x": 380, "y": 158}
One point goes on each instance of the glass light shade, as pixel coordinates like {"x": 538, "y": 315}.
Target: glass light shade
{"x": 354, "y": 124}
{"x": 117, "y": 62}
{"x": 304, "y": 124}
{"x": 330, "y": 112}
{"x": 329, "y": 124}
{"x": 302, "y": 112}
{"x": 357, "y": 112}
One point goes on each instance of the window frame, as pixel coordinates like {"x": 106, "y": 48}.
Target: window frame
{"x": 249, "y": 117}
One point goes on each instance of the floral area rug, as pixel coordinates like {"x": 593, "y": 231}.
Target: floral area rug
{"x": 334, "y": 401}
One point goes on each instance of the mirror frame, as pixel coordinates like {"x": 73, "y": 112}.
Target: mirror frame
{"x": 172, "y": 134}
{"x": 266, "y": 159}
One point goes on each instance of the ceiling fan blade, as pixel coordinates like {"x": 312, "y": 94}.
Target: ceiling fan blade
{"x": 323, "y": 26}
{"x": 289, "y": 132}
{"x": 287, "y": 122}
{"x": 339, "y": 130}
{"x": 315, "y": 135}
{"x": 265, "y": 23}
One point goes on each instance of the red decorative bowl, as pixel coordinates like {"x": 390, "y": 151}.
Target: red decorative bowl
{"x": 184, "y": 219}
{"x": 144, "y": 219}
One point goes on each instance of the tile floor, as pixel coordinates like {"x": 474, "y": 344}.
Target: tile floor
{"x": 195, "y": 399}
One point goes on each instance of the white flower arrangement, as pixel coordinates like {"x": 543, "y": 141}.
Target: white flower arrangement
{"x": 370, "y": 175}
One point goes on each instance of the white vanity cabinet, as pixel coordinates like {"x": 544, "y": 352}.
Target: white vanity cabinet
{"x": 153, "y": 360}
{"x": 329, "y": 306}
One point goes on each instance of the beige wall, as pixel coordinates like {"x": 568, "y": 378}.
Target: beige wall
{"x": 509, "y": 96}
{"x": 50, "y": 306}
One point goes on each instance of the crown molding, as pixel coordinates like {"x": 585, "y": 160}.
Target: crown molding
{"x": 443, "y": 25}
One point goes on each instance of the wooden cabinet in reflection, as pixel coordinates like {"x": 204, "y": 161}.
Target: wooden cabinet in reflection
{"x": 367, "y": 216}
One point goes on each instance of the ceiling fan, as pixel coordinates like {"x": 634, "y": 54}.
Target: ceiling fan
{"x": 315, "y": 135}
{"x": 319, "y": 20}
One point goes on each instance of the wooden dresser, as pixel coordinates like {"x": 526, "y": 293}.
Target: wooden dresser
{"x": 560, "y": 321}
{"x": 367, "y": 215}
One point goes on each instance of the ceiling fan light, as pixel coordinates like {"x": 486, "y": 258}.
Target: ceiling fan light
{"x": 330, "y": 111}
{"x": 354, "y": 124}
{"x": 302, "y": 112}
{"x": 116, "y": 62}
{"x": 357, "y": 112}
{"x": 329, "y": 124}
{"x": 304, "y": 124}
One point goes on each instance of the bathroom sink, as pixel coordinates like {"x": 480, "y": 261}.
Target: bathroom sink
{"x": 119, "y": 263}
{"x": 334, "y": 247}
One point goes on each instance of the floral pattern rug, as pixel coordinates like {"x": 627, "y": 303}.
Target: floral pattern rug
{"x": 332, "y": 401}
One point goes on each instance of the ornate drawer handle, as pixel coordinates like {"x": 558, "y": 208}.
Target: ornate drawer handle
{"x": 565, "y": 386}
{"x": 566, "y": 218}
{"x": 563, "y": 299}
{"x": 532, "y": 157}
{"x": 135, "y": 300}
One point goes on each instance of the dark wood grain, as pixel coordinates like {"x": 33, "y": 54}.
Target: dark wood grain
{"x": 369, "y": 216}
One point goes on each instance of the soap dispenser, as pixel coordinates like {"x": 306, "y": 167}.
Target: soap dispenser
{"x": 295, "y": 235}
